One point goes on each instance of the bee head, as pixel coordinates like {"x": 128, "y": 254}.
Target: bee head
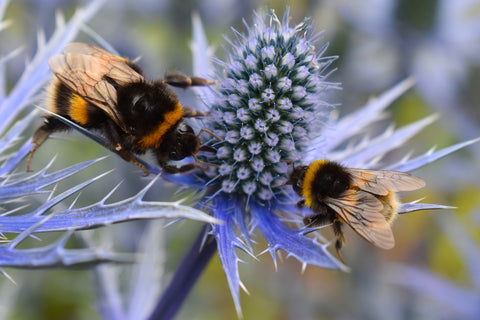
{"x": 296, "y": 178}
{"x": 180, "y": 143}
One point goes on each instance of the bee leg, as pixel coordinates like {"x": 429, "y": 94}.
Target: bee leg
{"x": 338, "y": 246}
{"x": 115, "y": 136}
{"x": 171, "y": 169}
{"x": 178, "y": 79}
{"x": 337, "y": 230}
{"x": 128, "y": 156}
{"x": 117, "y": 140}
{"x": 42, "y": 133}
{"x": 190, "y": 113}
{"x": 322, "y": 215}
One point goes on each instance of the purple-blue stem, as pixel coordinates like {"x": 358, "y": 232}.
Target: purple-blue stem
{"x": 185, "y": 277}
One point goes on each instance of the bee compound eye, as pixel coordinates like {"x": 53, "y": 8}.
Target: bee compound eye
{"x": 135, "y": 99}
{"x": 182, "y": 127}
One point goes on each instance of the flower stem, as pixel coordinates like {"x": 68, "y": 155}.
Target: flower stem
{"x": 185, "y": 277}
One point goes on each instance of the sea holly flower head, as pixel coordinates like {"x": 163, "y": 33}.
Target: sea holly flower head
{"x": 269, "y": 100}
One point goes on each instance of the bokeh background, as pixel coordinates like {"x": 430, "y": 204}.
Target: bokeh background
{"x": 434, "y": 270}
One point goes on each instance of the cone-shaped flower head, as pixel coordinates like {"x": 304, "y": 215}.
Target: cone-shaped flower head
{"x": 268, "y": 104}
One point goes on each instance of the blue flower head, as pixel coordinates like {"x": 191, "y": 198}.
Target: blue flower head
{"x": 269, "y": 105}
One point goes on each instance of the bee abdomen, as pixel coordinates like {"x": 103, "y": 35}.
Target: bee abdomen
{"x": 63, "y": 101}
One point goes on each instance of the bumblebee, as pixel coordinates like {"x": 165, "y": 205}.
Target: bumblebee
{"x": 98, "y": 90}
{"x": 363, "y": 199}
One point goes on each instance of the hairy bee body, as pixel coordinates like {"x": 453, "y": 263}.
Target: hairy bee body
{"x": 63, "y": 101}
{"x": 98, "y": 90}
{"x": 363, "y": 199}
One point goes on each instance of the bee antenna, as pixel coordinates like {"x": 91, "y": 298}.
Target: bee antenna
{"x": 207, "y": 149}
{"x": 289, "y": 162}
{"x": 209, "y": 132}
{"x": 288, "y": 180}
{"x": 280, "y": 185}
{"x": 137, "y": 59}
{"x": 205, "y": 163}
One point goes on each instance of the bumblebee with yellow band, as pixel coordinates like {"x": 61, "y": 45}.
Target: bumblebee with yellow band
{"x": 99, "y": 90}
{"x": 363, "y": 199}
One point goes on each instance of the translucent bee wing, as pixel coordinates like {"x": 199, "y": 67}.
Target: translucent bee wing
{"x": 362, "y": 211}
{"x": 116, "y": 67}
{"x": 85, "y": 72}
{"x": 381, "y": 182}
{"x": 85, "y": 48}
{"x": 75, "y": 74}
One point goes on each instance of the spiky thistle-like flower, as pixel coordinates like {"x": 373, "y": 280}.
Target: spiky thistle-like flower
{"x": 270, "y": 109}
{"x": 269, "y": 103}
